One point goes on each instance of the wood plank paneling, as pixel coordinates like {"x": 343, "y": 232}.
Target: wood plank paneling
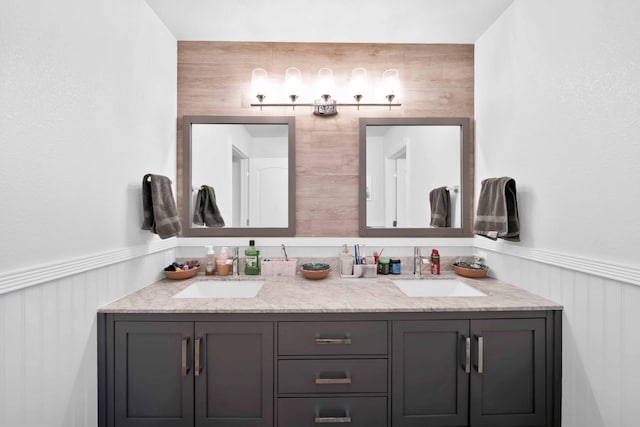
{"x": 214, "y": 79}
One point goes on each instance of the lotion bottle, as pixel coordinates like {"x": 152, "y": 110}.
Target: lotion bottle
{"x": 210, "y": 261}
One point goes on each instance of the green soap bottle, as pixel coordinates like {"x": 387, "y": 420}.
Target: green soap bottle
{"x": 251, "y": 260}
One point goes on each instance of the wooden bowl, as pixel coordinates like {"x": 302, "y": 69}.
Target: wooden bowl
{"x": 315, "y": 275}
{"x": 182, "y": 274}
{"x": 466, "y": 269}
{"x": 315, "y": 271}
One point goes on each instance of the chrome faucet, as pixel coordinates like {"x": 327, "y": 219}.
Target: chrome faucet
{"x": 418, "y": 260}
{"x": 235, "y": 260}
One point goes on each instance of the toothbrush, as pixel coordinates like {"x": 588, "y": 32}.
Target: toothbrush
{"x": 286, "y": 257}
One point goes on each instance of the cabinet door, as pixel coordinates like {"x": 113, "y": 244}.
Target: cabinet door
{"x": 430, "y": 382}
{"x": 508, "y": 377}
{"x": 152, "y": 374}
{"x": 234, "y": 379}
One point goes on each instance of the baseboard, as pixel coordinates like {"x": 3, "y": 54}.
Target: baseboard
{"x": 621, "y": 273}
{"x": 15, "y": 280}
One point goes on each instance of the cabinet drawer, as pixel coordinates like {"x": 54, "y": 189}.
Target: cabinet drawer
{"x": 332, "y": 376}
{"x": 319, "y": 412}
{"x": 332, "y": 338}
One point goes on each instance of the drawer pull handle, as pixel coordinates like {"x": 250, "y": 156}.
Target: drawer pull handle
{"x": 184, "y": 367}
{"x": 333, "y": 340}
{"x": 326, "y": 420}
{"x": 346, "y": 380}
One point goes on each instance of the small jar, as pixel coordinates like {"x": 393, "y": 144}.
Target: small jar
{"x": 223, "y": 269}
{"x": 383, "y": 266}
{"x": 394, "y": 266}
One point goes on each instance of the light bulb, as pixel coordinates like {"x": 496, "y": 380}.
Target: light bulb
{"x": 259, "y": 82}
{"x": 325, "y": 82}
{"x": 292, "y": 83}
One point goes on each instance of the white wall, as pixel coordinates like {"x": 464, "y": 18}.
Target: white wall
{"x": 557, "y": 106}
{"x": 87, "y": 107}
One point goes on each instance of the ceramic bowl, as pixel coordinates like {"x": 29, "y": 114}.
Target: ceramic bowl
{"x": 467, "y": 269}
{"x": 315, "y": 271}
{"x": 182, "y": 274}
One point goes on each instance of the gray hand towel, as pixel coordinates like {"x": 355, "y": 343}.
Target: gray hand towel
{"x": 440, "y": 201}
{"x": 206, "y": 211}
{"x": 497, "y": 213}
{"x": 159, "y": 207}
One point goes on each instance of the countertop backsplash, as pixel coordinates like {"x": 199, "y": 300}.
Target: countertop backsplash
{"x": 405, "y": 262}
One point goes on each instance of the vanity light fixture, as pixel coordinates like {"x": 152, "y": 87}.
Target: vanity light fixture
{"x": 325, "y": 106}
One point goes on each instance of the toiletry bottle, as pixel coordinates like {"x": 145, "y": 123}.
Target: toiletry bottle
{"x": 394, "y": 266}
{"x": 383, "y": 265}
{"x": 221, "y": 261}
{"x": 251, "y": 260}
{"x": 435, "y": 262}
{"x": 210, "y": 261}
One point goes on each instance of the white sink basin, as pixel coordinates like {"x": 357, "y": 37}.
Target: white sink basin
{"x": 437, "y": 288}
{"x": 221, "y": 289}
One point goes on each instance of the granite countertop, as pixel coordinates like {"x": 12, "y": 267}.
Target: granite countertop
{"x": 330, "y": 295}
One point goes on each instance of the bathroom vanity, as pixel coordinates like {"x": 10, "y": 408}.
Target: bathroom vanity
{"x": 337, "y": 351}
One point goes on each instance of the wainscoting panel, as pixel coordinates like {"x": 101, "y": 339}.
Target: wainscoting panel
{"x": 48, "y": 354}
{"x": 601, "y": 338}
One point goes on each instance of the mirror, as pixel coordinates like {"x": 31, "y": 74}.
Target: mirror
{"x": 415, "y": 177}
{"x": 238, "y": 176}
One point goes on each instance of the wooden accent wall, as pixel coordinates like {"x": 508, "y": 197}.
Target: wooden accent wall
{"x": 214, "y": 78}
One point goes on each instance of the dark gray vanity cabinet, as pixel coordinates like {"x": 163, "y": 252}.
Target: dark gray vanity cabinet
{"x": 508, "y": 375}
{"x": 235, "y": 386}
{"x": 153, "y": 381}
{"x": 398, "y": 369}
{"x": 479, "y": 372}
{"x": 333, "y": 373}
{"x": 179, "y": 374}
{"x": 430, "y": 383}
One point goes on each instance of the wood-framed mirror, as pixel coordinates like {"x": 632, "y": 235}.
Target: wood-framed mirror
{"x": 238, "y": 176}
{"x": 412, "y": 172}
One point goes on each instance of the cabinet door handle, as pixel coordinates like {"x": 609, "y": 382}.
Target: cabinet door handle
{"x": 333, "y": 340}
{"x": 196, "y": 358}
{"x": 467, "y": 355}
{"x": 480, "y": 354}
{"x": 325, "y": 420}
{"x": 185, "y": 368}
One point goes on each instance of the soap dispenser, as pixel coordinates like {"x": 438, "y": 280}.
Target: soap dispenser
{"x": 223, "y": 267}
{"x": 251, "y": 260}
{"x": 210, "y": 261}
